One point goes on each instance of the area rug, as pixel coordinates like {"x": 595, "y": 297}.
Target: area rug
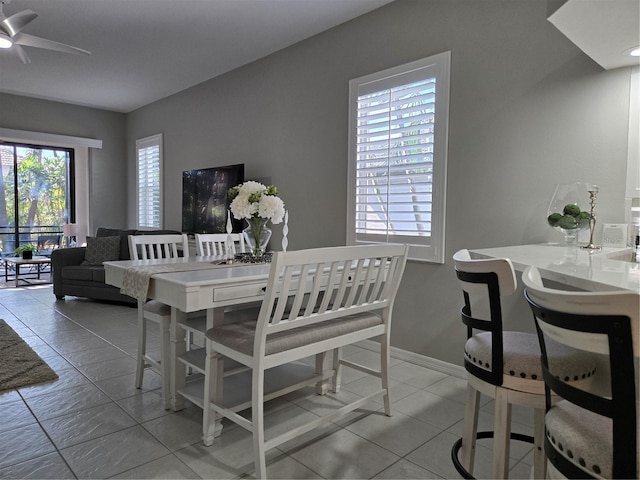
{"x": 19, "y": 364}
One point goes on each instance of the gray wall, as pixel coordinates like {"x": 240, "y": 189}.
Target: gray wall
{"x": 528, "y": 110}
{"x": 107, "y": 166}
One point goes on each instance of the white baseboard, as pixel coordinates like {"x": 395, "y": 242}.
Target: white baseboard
{"x": 417, "y": 359}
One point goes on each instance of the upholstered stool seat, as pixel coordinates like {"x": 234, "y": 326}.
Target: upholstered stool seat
{"x": 521, "y": 360}
{"x": 572, "y": 430}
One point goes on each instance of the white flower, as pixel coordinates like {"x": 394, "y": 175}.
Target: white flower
{"x": 271, "y": 207}
{"x": 253, "y": 199}
{"x": 250, "y": 187}
{"x": 241, "y": 208}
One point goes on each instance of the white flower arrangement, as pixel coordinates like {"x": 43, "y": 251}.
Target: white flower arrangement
{"x": 255, "y": 200}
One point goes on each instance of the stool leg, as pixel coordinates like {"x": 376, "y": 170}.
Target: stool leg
{"x": 501, "y": 433}
{"x": 539, "y": 458}
{"x": 468, "y": 448}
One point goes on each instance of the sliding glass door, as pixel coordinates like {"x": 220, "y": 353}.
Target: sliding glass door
{"x": 36, "y": 195}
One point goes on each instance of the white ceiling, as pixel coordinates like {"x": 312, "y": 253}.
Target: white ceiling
{"x": 603, "y": 29}
{"x": 145, "y": 50}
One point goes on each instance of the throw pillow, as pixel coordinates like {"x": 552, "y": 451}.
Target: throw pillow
{"x": 101, "y": 249}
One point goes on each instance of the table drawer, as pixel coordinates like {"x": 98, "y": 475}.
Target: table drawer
{"x": 239, "y": 291}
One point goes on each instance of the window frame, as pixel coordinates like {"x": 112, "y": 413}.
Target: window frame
{"x": 425, "y": 249}
{"x": 144, "y": 143}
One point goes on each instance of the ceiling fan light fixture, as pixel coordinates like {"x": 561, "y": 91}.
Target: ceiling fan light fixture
{"x": 5, "y": 41}
{"x": 635, "y": 52}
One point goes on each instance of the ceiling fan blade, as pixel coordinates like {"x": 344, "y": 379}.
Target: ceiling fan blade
{"x": 37, "y": 42}
{"x": 19, "y": 52}
{"x": 17, "y": 22}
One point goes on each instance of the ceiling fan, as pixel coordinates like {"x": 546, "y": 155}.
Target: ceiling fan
{"x": 12, "y": 39}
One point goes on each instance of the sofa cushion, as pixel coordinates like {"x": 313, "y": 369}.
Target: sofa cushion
{"x": 124, "y": 239}
{"x": 101, "y": 249}
{"x": 84, "y": 273}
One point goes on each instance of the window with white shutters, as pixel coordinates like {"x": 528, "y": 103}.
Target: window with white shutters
{"x": 397, "y": 157}
{"x": 149, "y": 181}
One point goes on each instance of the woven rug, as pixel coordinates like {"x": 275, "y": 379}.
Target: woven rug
{"x": 19, "y": 364}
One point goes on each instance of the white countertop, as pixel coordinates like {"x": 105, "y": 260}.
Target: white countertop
{"x": 597, "y": 270}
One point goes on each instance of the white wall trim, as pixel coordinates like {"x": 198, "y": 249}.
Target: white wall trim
{"x": 82, "y": 162}
{"x": 418, "y": 359}
{"x": 25, "y": 136}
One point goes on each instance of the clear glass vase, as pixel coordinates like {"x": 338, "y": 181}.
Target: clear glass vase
{"x": 257, "y": 235}
{"x": 568, "y": 211}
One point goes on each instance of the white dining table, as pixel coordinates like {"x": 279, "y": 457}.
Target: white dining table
{"x": 199, "y": 283}
{"x": 590, "y": 270}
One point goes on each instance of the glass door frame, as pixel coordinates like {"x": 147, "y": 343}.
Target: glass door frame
{"x": 20, "y": 232}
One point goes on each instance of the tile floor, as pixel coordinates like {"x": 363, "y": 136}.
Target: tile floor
{"x": 93, "y": 423}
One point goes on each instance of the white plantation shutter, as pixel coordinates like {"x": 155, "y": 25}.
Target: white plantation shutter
{"x": 397, "y": 157}
{"x": 149, "y": 181}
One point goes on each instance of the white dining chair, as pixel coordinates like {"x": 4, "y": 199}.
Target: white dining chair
{"x": 316, "y": 301}
{"x": 150, "y": 247}
{"x": 208, "y": 244}
{"x": 503, "y": 365}
{"x": 590, "y": 433}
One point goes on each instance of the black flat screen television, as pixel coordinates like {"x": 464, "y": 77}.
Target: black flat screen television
{"x": 205, "y": 202}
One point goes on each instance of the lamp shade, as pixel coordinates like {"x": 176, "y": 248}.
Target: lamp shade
{"x": 70, "y": 229}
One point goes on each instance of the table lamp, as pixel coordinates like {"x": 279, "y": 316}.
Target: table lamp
{"x": 70, "y": 231}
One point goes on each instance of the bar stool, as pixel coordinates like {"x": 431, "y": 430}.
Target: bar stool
{"x": 504, "y": 365}
{"x": 590, "y": 433}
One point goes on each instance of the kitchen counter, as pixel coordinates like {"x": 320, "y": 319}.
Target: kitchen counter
{"x": 597, "y": 270}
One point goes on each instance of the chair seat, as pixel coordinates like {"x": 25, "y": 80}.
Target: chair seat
{"x": 571, "y": 430}
{"x": 241, "y": 336}
{"x": 521, "y": 357}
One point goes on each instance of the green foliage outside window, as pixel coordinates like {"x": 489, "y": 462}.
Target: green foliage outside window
{"x": 42, "y": 189}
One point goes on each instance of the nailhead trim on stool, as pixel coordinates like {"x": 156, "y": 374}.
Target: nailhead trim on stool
{"x": 522, "y": 357}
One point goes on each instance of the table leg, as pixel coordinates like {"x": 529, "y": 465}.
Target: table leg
{"x": 178, "y": 348}
{"x": 213, "y": 382}
{"x": 17, "y": 273}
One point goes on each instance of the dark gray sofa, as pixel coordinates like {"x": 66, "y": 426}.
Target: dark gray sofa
{"x": 71, "y": 277}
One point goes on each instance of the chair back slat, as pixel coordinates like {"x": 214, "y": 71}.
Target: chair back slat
{"x": 280, "y": 306}
{"x": 313, "y": 297}
{"x": 351, "y": 279}
{"x": 379, "y": 271}
{"x": 332, "y": 275}
{"x": 152, "y": 247}
{"x": 343, "y": 281}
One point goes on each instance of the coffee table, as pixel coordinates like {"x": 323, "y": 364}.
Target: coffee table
{"x": 39, "y": 262}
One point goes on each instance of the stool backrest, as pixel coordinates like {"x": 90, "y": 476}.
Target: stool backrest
{"x": 601, "y": 323}
{"x": 483, "y": 282}
{"x": 150, "y": 247}
{"x": 216, "y": 243}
